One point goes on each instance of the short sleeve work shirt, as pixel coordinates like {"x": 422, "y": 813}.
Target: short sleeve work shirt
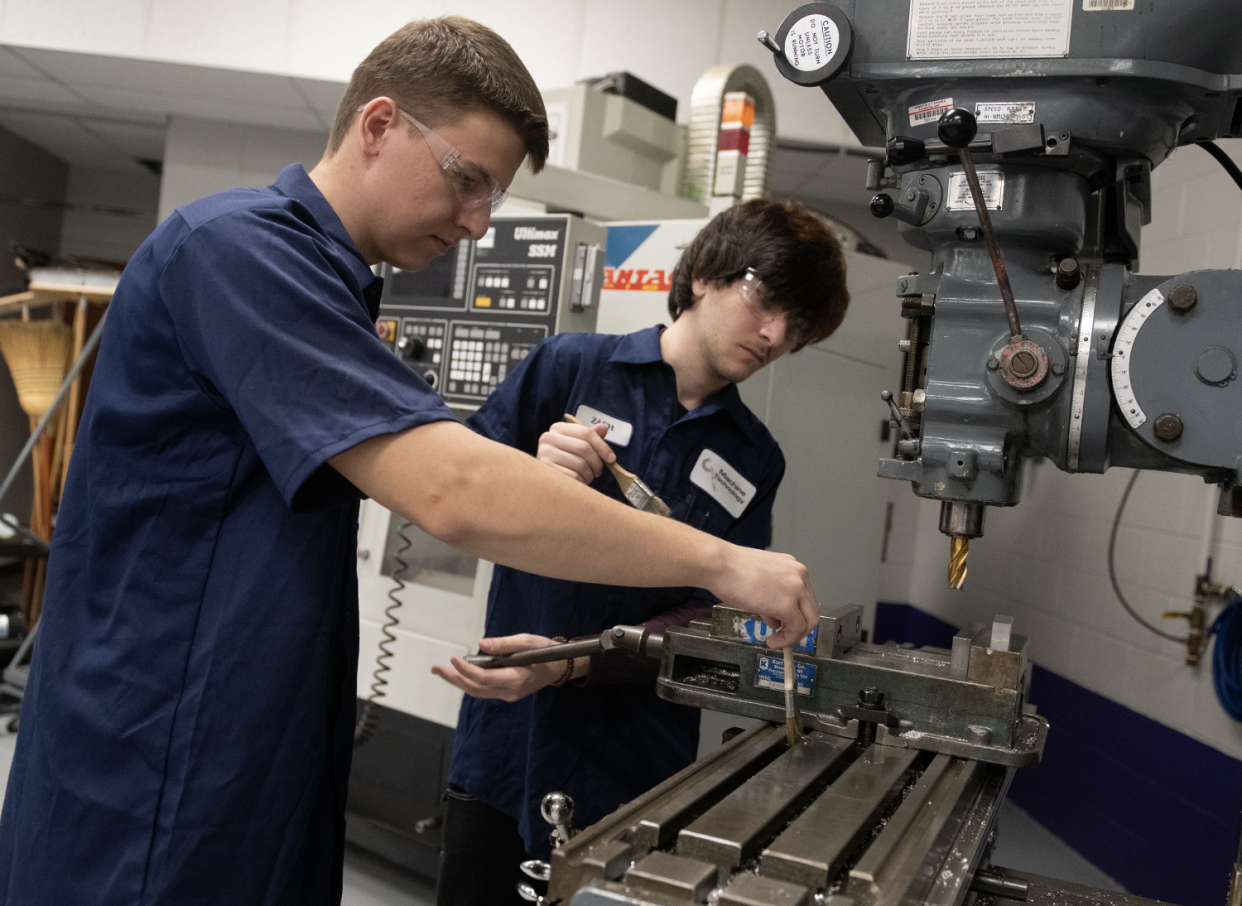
{"x": 603, "y": 744}
{"x": 187, "y": 728}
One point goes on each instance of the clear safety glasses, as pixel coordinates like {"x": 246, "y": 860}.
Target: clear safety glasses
{"x": 474, "y": 186}
{"x": 765, "y": 311}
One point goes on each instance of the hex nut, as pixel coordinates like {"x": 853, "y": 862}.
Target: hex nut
{"x": 1168, "y": 427}
{"x": 1183, "y": 298}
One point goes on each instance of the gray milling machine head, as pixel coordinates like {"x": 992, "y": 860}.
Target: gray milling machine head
{"x": 1064, "y": 131}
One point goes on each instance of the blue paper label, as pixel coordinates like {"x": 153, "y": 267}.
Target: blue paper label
{"x": 772, "y": 675}
{"x": 758, "y": 632}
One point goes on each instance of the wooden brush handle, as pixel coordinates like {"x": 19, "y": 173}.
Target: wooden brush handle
{"x": 624, "y": 476}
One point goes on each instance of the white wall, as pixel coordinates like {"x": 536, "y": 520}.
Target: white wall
{"x": 1044, "y": 561}
{"x": 204, "y": 156}
{"x": 666, "y": 44}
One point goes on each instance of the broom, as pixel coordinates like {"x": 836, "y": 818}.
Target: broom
{"x": 37, "y": 353}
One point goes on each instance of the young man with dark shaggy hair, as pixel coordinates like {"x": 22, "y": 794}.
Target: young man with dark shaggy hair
{"x": 187, "y": 728}
{"x": 759, "y": 281}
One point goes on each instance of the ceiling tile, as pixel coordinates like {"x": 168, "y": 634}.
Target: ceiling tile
{"x": 35, "y": 92}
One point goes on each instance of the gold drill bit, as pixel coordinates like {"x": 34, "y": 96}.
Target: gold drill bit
{"x": 959, "y": 548}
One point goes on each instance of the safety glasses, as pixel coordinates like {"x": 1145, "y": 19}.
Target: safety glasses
{"x": 759, "y": 301}
{"x": 474, "y": 186}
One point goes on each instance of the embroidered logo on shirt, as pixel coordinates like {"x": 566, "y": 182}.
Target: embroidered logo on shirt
{"x": 723, "y": 482}
{"x": 619, "y": 432}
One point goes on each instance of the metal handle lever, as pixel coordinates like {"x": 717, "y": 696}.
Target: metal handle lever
{"x": 636, "y": 639}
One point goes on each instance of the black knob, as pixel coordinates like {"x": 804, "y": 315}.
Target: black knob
{"x": 411, "y": 348}
{"x": 1068, "y": 273}
{"x": 882, "y": 205}
{"x": 957, "y": 128}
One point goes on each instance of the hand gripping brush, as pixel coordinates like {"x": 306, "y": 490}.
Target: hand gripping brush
{"x": 633, "y": 487}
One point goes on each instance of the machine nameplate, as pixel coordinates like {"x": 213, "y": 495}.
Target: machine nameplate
{"x": 1123, "y": 347}
{"x": 1013, "y": 113}
{"x": 988, "y": 29}
{"x": 1082, "y": 362}
{"x": 771, "y": 675}
{"x": 991, "y": 183}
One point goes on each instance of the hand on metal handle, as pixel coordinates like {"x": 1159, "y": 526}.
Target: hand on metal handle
{"x": 637, "y": 639}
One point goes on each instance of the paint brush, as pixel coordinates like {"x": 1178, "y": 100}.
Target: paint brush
{"x": 633, "y": 487}
{"x": 793, "y": 725}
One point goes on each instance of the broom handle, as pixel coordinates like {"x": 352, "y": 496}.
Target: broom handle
{"x": 47, "y": 416}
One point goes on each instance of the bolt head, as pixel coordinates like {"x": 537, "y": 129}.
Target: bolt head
{"x": 1183, "y": 298}
{"x": 1168, "y": 427}
{"x": 993, "y": 363}
{"x": 1058, "y": 368}
{"x": 871, "y": 696}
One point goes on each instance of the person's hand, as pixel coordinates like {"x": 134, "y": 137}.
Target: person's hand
{"x": 577, "y": 450}
{"x": 506, "y": 683}
{"x": 775, "y": 586}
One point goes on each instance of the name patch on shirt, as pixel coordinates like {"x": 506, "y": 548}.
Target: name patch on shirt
{"x": 725, "y": 483}
{"x": 619, "y": 432}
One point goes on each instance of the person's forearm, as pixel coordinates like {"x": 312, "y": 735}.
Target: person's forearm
{"x": 505, "y": 506}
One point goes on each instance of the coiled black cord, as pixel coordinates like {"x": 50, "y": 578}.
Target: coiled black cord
{"x": 1112, "y": 566}
{"x": 1223, "y": 159}
{"x": 368, "y": 720}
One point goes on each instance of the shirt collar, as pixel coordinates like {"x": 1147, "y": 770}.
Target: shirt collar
{"x": 293, "y": 182}
{"x": 643, "y": 348}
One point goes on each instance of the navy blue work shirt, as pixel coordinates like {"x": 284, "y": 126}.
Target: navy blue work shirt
{"x": 187, "y": 730}
{"x": 604, "y": 744}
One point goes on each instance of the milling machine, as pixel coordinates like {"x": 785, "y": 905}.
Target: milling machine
{"x": 1020, "y": 137}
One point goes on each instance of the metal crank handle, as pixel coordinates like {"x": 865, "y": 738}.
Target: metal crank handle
{"x": 637, "y": 639}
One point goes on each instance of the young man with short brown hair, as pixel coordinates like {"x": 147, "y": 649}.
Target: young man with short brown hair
{"x": 187, "y": 727}
{"x": 759, "y": 281}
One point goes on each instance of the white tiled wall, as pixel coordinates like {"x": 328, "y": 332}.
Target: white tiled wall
{"x": 1044, "y": 561}
{"x": 667, "y": 44}
{"x": 205, "y": 156}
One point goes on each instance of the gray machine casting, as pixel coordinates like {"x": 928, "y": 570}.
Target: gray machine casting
{"x": 1140, "y": 371}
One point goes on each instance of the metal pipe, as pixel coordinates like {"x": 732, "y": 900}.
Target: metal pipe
{"x": 989, "y": 236}
{"x": 998, "y": 886}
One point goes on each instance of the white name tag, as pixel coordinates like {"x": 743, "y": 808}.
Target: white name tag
{"x": 619, "y": 432}
{"x": 723, "y": 482}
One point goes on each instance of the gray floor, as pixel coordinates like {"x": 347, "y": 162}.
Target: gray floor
{"x": 1022, "y": 843}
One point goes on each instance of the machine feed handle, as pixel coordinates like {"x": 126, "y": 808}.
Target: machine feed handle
{"x": 957, "y": 129}
{"x": 636, "y": 639}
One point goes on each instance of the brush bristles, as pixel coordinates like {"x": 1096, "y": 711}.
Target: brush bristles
{"x": 37, "y": 353}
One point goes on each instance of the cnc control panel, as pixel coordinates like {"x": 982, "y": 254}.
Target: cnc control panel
{"x": 463, "y": 322}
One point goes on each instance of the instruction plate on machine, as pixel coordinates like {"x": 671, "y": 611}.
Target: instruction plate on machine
{"x": 772, "y": 675}
{"x": 988, "y": 29}
{"x": 992, "y": 184}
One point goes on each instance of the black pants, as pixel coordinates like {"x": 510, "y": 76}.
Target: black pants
{"x": 481, "y": 855}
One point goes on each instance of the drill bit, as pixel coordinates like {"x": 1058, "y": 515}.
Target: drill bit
{"x": 959, "y": 548}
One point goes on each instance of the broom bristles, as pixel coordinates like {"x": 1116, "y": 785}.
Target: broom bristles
{"x": 37, "y": 353}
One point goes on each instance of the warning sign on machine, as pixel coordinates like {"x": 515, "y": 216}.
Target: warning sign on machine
{"x": 988, "y": 29}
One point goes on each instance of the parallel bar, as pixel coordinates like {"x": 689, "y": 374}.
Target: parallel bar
{"x": 889, "y": 867}
{"x": 881, "y": 849}
{"x": 970, "y": 836}
{"x": 658, "y": 824}
{"x": 813, "y": 848}
{"x": 732, "y": 830}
